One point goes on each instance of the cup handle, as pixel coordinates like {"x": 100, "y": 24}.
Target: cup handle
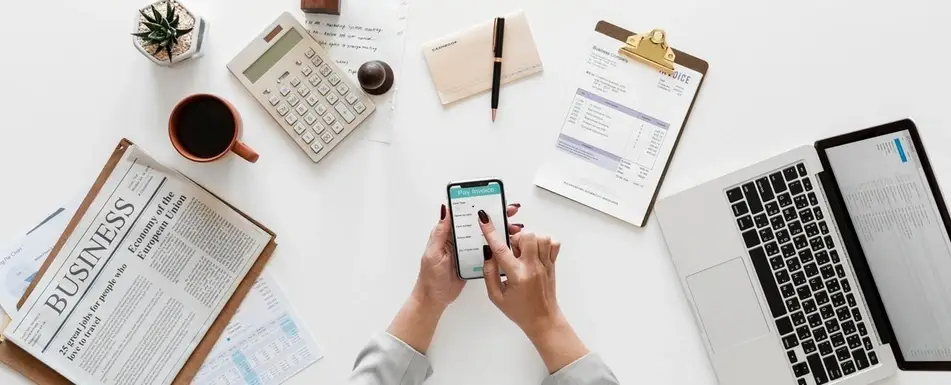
{"x": 245, "y": 152}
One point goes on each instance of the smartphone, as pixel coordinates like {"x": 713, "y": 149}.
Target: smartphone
{"x": 465, "y": 201}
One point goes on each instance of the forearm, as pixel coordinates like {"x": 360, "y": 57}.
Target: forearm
{"x": 416, "y": 322}
{"x": 558, "y": 345}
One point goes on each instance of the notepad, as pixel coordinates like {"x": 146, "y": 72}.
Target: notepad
{"x": 461, "y": 63}
{"x": 621, "y": 128}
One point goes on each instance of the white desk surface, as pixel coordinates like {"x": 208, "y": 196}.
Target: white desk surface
{"x": 351, "y": 229}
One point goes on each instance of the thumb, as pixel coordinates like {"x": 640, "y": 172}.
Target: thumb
{"x": 441, "y": 233}
{"x": 497, "y": 243}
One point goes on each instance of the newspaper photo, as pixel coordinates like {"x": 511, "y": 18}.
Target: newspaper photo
{"x": 140, "y": 279}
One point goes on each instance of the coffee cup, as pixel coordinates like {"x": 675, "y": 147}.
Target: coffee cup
{"x": 205, "y": 128}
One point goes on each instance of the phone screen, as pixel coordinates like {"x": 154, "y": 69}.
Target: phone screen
{"x": 465, "y": 201}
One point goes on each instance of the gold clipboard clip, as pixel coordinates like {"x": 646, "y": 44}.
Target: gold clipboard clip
{"x": 652, "y": 49}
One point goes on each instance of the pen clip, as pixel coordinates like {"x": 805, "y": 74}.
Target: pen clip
{"x": 495, "y": 30}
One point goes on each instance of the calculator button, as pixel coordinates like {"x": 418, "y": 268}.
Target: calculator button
{"x": 306, "y": 70}
{"x": 290, "y": 118}
{"x": 274, "y": 100}
{"x": 359, "y": 107}
{"x": 327, "y": 137}
{"x": 332, "y": 99}
{"x": 319, "y": 128}
{"x": 285, "y": 91}
{"x": 343, "y": 89}
{"x": 303, "y": 90}
{"x": 325, "y": 70}
{"x": 299, "y": 128}
{"x": 345, "y": 112}
{"x": 310, "y": 118}
{"x": 293, "y": 100}
{"x": 316, "y": 60}
{"x": 320, "y": 109}
{"x": 329, "y": 118}
{"x": 316, "y": 147}
{"x": 334, "y": 79}
{"x": 301, "y": 109}
{"x": 351, "y": 97}
{"x": 314, "y": 80}
{"x": 312, "y": 100}
{"x": 337, "y": 127}
{"x": 309, "y": 53}
{"x": 308, "y": 137}
{"x": 295, "y": 81}
{"x": 283, "y": 109}
{"x": 323, "y": 89}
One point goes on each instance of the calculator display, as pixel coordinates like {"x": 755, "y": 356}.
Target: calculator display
{"x": 273, "y": 55}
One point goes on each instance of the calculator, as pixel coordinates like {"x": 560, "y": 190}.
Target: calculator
{"x": 301, "y": 86}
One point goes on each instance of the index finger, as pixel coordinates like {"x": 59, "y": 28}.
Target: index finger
{"x": 500, "y": 248}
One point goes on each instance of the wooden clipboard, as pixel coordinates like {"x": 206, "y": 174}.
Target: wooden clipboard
{"x": 683, "y": 59}
{"x": 33, "y": 369}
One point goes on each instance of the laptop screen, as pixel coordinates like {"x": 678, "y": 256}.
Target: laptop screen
{"x": 901, "y": 232}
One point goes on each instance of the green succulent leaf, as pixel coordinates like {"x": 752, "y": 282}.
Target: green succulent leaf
{"x": 152, "y": 26}
{"x": 158, "y": 48}
{"x": 182, "y": 32}
{"x": 155, "y": 13}
{"x": 143, "y": 35}
{"x": 147, "y": 17}
{"x": 158, "y": 35}
{"x": 169, "y": 50}
{"x": 169, "y": 13}
{"x": 175, "y": 21}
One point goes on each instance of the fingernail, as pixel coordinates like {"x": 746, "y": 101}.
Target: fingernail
{"x": 483, "y": 217}
{"x": 519, "y": 205}
{"x": 486, "y": 252}
{"x": 442, "y": 212}
{"x": 519, "y": 225}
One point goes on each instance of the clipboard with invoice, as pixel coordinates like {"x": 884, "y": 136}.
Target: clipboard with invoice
{"x": 621, "y": 129}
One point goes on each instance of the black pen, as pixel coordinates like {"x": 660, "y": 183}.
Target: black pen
{"x": 499, "y": 35}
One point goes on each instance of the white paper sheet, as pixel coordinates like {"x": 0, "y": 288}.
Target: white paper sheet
{"x": 264, "y": 344}
{"x": 366, "y": 30}
{"x": 21, "y": 261}
{"x": 619, "y": 132}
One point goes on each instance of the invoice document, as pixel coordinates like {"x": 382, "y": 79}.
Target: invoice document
{"x": 619, "y": 132}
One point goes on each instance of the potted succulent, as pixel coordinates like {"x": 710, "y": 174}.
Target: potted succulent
{"x": 166, "y": 32}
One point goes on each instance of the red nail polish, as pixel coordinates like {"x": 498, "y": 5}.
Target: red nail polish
{"x": 486, "y": 252}
{"x": 519, "y": 205}
{"x": 442, "y": 212}
{"x": 483, "y": 217}
{"x": 519, "y": 225}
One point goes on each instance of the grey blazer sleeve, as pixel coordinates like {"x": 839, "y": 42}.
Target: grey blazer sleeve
{"x": 587, "y": 370}
{"x": 388, "y": 361}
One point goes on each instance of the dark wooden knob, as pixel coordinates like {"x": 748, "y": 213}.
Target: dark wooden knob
{"x": 376, "y": 77}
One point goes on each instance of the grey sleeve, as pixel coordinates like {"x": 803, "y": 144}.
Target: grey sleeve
{"x": 388, "y": 361}
{"x": 587, "y": 370}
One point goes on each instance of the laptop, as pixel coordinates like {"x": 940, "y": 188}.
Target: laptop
{"x": 828, "y": 264}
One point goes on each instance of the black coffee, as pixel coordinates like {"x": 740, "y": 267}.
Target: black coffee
{"x": 205, "y": 127}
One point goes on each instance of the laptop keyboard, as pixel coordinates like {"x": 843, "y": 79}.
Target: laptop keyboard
{"x": 798, "y": 265}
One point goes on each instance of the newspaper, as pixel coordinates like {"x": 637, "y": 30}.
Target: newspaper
{"x": 139, "y": 281}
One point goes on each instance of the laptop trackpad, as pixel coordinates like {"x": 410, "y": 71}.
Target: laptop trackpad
{"x": 729, "y": 311}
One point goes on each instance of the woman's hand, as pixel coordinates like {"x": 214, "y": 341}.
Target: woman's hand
{"x": 437, "y": 285}
{"x": 528, "y": 297}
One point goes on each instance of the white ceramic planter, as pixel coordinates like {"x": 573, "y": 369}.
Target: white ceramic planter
{"x": 194, "y": 39}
